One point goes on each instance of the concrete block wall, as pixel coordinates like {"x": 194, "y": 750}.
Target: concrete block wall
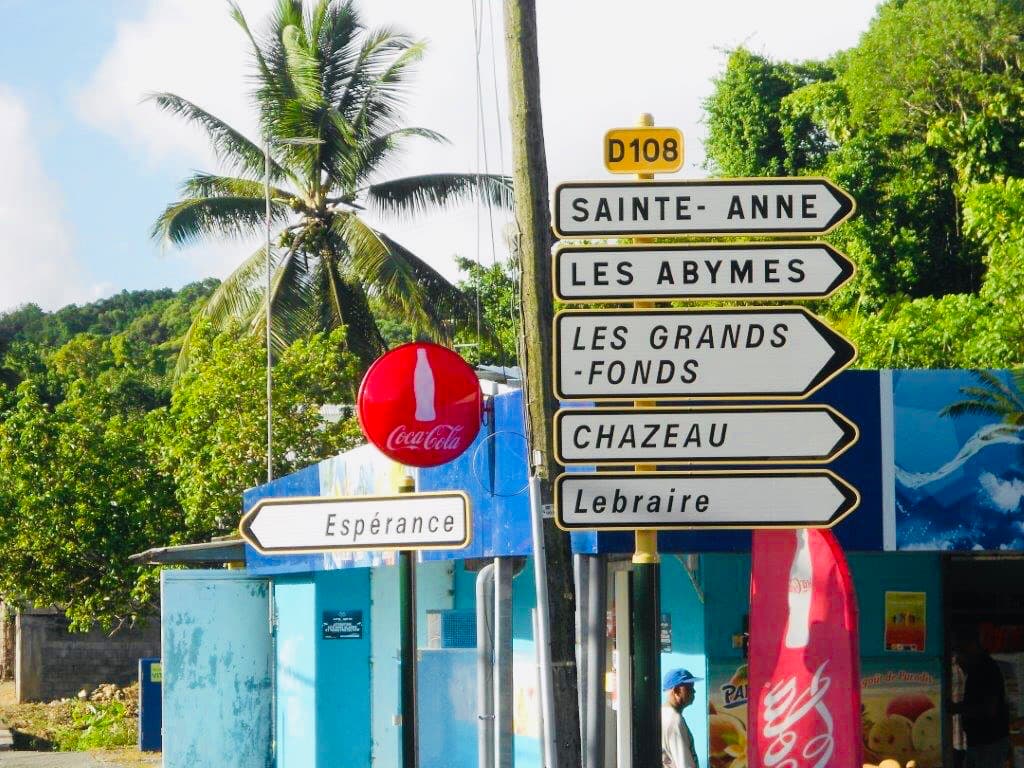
{"x": 53, "y": 663}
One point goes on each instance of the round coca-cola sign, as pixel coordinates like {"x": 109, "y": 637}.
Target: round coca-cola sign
{"x": 420, "y": 404}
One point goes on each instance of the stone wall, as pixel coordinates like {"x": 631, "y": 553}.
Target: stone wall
{"x": 52, "y": 663}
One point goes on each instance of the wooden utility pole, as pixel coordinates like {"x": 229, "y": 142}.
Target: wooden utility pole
{"x": 534, "y": 246}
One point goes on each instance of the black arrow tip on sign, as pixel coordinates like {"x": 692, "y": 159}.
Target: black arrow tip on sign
{"x": 846, "y": 268}
{"x": 851, "y": 499}
{"x": 847, "y": 206}
{"x": 843, "y": 352}
{"x": 849, "y": 434}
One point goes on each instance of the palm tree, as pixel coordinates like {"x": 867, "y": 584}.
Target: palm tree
{"x": 329, "y": 93}
{"x": 993, "y": 397}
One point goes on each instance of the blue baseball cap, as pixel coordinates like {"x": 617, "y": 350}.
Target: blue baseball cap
{"x": 676, "y": 677}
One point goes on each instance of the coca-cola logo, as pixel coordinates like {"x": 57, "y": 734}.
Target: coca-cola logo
{"x": 420, "y": 404}
{"x": 443, "y": 437}
{"x": 793, "y": 741}
{"x": 799, "y": 585}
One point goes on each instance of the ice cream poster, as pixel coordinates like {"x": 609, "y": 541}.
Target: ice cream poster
{"x": 901, "y": 717}
{"x": 904, "y": 621}
{"x": 727, "y": 716}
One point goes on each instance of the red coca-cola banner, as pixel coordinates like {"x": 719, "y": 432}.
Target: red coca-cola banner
{"x": 804, "y": 694}
{"x": 420, "y": 404}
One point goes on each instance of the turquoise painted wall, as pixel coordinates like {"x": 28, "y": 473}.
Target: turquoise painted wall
{"x": 343, "y": 671}
{"x": 873, "y": 574}
{"x": 728, "y": 583}
{"x": 216, "y": 690}
{"x": 295, "y": 670}
{"x": 680, "y": 600}
{"x": 385, "y": 703}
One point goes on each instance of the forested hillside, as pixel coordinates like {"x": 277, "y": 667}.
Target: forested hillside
{"x": 921, "y": 123}
{"x": 104, "y": 452}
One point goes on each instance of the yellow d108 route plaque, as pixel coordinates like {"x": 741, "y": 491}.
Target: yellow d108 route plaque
{"x": 643, "y": 150}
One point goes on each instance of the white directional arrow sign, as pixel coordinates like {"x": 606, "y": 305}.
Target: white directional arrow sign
{"x": 316, "y": 524}
{"x": 765, "y": 433}
{"x": 782, "y": 352}
{"x": 800, "y": 205}
{"x": 673, "y": 500}
{"x": 700, "y": 271}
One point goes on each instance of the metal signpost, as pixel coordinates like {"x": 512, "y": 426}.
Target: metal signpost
{"x": 647, "y": 354}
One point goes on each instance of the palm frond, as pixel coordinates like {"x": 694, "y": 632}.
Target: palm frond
{"x": 401, "y": 278}
{"x": 303, "y": 67}
{"x": 192, "y": 220}
{"x": 340, "y": 48}
{"x": 991, "y": 397}
{"x": 289, "y": 288}
{"x": 230, "y": 145}
{"x": 370, "y": 156}
{"x": 418, "y": 194}
{"x": 362, "y": 335}
{"x": 237, "y": 296}
{"x": 971, "y": 408}
{"x": 214, "y": 185}
{"x": 377, "y": 49}
{"x": 383, "y": 82}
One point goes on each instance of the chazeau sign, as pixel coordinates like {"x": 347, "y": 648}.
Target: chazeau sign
{"x": 800, "y": 205}
{"x": 782, "y": 270}
{"x": 674, "y": 500}
{"x": 758, "y": 434}
{"x": 782, "y": 352}
{"x": 319, "y": 524}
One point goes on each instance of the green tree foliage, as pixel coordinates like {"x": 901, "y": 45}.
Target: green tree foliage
{"x": 153, "y": 319}
{"x": 99, "y": 460}
{"x": 495, "y": 290}
{"x": 329, "y": 93}
{"x": 752, "y": 128}
{"x": 81, "y": 488}
{"x": 214, "y": 439}
{"x": 920, "y": 123}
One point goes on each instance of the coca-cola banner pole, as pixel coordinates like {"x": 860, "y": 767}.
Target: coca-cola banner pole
{"x": 804, "y": 694}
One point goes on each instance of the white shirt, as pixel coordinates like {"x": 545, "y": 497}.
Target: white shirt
{"x": 676, "y": 740}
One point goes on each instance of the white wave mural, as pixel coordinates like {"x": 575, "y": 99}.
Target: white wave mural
{"x": 974, "y": 499}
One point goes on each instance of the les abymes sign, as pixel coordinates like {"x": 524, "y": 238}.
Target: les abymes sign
{"x": 420, "y": 404}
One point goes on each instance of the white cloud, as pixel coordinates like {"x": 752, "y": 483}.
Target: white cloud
{"x": 189, "y": 47}
{"x": 602, "y": 64}
{"x": 1006, "y": 495}
{"x": 36, "y": 256}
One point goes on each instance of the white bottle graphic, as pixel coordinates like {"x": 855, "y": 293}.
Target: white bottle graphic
{"x": 423, "y": 387}
{"x": 801, "y": 573}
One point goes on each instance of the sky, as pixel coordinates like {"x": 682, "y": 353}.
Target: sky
{"x": 87, "y": 164}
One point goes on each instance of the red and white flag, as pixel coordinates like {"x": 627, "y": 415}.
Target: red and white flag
{"x": 804, "y": 666}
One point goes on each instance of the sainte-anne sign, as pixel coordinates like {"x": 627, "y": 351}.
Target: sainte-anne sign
{"x": 799, "y": 205}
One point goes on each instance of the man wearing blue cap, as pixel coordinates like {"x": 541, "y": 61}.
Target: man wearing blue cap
{"x": 676, "y": 740}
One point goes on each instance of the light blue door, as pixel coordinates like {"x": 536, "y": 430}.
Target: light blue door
{"x": 217, "y": 670}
